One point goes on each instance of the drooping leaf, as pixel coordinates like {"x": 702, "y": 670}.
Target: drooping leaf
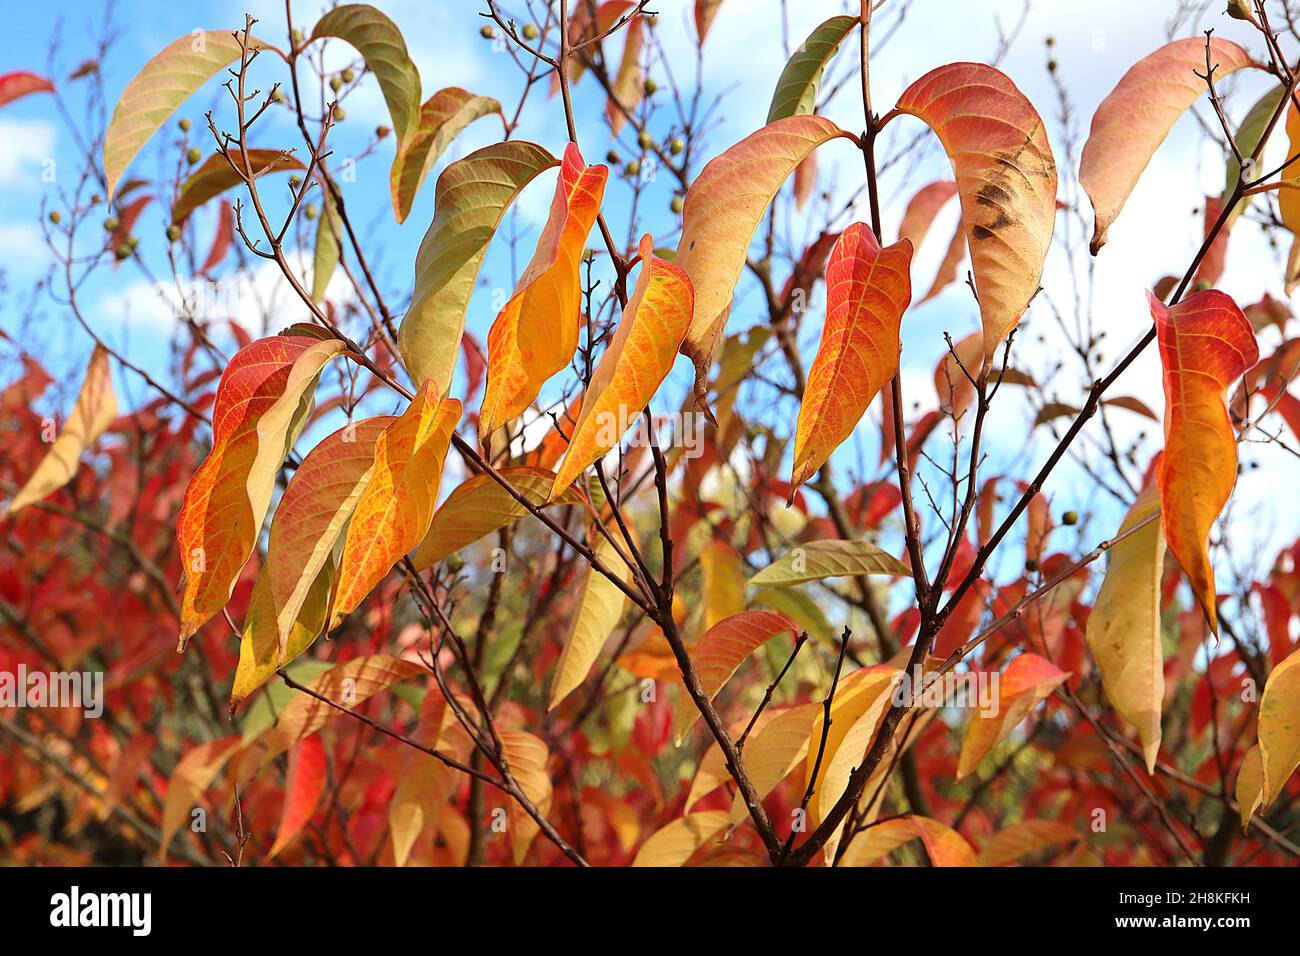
{"x": 922, "y": 208}
{"x": 599, "y": 608}
{"x": 1025, "y": 838}
{"x": 471, "y": 197}
{"x": 261, "y": 403}
{"x": 705, "y": 11}
{"x": 480, "y": 506}
{"x": 853, "y": 727}
{"x": 395, "y": 507}
{"x": 94, "y": 411}
{"x": 722, "y": 650}
{"x": 325, "y": 254}
{"x": 674, "y": 844}
{"x": 304, "y": 784}
{"x": 1249, "y": 790}
{"x": 723, "y": 208}
{"x": 796, "y": 88}
{"x": 629, "y": 80}
{"x": 828, "y": 558}
{"x": 1026, "y": 681}
{"x": 425, "y": 783}
{"x": 633, "y": 366}
{"x": 1279, "y": 727}
{"x": 16, "y": 84}
{"x": 222, "y": 239}
{"x": 1248, "y": 136}
{"x": 1006, "y": 180}
{"x": 1206, "y": 343}
{"x": 1124, "y": 626}
{"x": 442, "y": 117}
{"x": 216, "y": 174}
{"x": 192, "y": 775}
{"x": 526, "y": 755}
{"x": 1132, "y": 122}
{"x": 867, "y": 291}
{"x": 162, "y": 85}
{"x": 536, "y": 334}
{"x": 380, "y": 43}
{"x": 946, "y": 274}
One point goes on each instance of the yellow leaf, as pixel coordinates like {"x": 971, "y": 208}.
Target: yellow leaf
{"x": 1249, "y": 790}
{"x": 526, "y": 757}
{"x": 94, "y": 411}
{"x": 828, "y": 558}
{"x": 1279, "y": 727}
{"x": 675, "y": 843}
{"x": 192, "y": 775}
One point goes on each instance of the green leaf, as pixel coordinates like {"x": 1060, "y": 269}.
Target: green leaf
{"x": 796, "y": 90}
{"x": 159, "y": 88}
{"x": 1248, "y": 135}
{"x": 470, "y": 200}
{"x": 329, "y": 235}
{"x": 379, "y": 41}
{"x": 442, "y": 117}
{"x": 800, "y": 608}
{"x": 216, "y": 175}
{"x": 833, "y": 558}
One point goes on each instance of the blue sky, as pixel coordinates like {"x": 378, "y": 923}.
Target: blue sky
{"x": 1095, "y": 43}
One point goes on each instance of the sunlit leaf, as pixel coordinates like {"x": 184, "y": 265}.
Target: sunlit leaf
{"x": 1279, "y": 727}
{"x": 677, "y": 842}
{"x": 442, "y": 117}
{"x": 216, "y": 174}
{"x": 796, "y": 88}
{"x": 1026, "y": 681}
{"x": 829, "y": 558}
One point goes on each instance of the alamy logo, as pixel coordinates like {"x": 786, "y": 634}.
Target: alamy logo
{"x": 54, "y": 689}
{"x": 133, "y": 910}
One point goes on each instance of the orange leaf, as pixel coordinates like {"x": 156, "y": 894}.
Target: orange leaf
{"x": 536, "y": 334}
{"x": 20, "y": 83}
{"x": 638, "y": 359}
{"x": 867, "y": 291}
{"x": 1027, "y": 680}
{"x": 258, "y": 410}
{"x": 193, "y": 774}
{"x": 1006, "y": 178}
{"x": 94, "y": 411}
{"x": 480, "y": 506}
{"x": 395, "y": 508}
{"x": 1023, "y": 839}
{"x": 721, "y": 651}
{"x": 724, "y": 206}
{"x": 1205, "y": 344}
{"x": 922, "y": 208}
{"x": 216, "y": 175}
{"x": 304, "y": 783}
{"x": 625, "y": 92}
{"x": 526, "y": 757}
{"x": 676, "y": 842}
{"x": 1132, "y": 122}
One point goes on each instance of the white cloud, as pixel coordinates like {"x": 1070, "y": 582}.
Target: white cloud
{"x": 28, "y": 143}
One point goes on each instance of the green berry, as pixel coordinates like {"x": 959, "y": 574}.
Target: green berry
{"x": 348, "y": 76}
{"x": 530, "y": 31}
{"x": 132, "y": 242}
{"x": 110, "y": 224}
{"x": 339, "y": 115}
{"x": 277, "y": 96}
{"x": 184, "y": 124}
{"x": 676, "y": 204}
{"x": 173, "y": 233}
{"x": 487, "y": 32}
{"x": 650, "y": 86}
{"x": 295, "y": 181}
{"x": 336, "y": 83}
{"x": 455, "y": 564}
{"x": 56, "y": 217}
{"x": 676, "y": 146}
{"x": 193, "y": 155}
{"x": 296, "y": 36}
{"x": 644, "y": 140}
{"x": 1070, "y": 518}
{"x": 121, "y": 252}
{"x": 633, "y": 167}
{"x": 309, "y": 210}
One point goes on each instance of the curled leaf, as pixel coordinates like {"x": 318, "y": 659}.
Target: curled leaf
{"x": 216, "y": 174}
{"x": 796, "y": 88}
{"x": 442, "y": 117}
{"x": 828, "y": 558}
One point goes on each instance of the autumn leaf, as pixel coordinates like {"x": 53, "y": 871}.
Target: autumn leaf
{"x": 1248, "y": 136}
{"x": 1279, "y": 727}
{"x": 161, "y": 86}
{"x": 1025, "y": 838}
{"x": 394, "y": 509}
{"x": 471, "y": 198}
{"x": 721, "y": 651}
{"x": 677, "y": 842}
{"x": 480, "y": 506}
{"x": 442, "y": 117}
{"x": 922, "y": 208}
{"x": 705, "y": 11}
{"x": 425, "y": 783}
{"x": 828, "y": 558}
{"x": 600, "y": 605}
{"x": 867, "y": 291}
{"x": 304, "y": 783}
{"x": 380, "y": 43}
{"x": 943, "y": 845}
{"x": 796, "y": 88}
{"x": 946, "y": 274}
{"x": 1123, "y": 629}
{"x": 325, "y": 253}
{"x": 723, "y": 208}
{"x": 262, "y": 401}
{"x": 94, "y": 411}
{"x": 1132, "y": 122}
{"x": 638, "y": 359}
{"x": 526, "y": 756}
{"x": 629, "y": 81}
{"x": 536, "y": 334}
{"x": 1027, "y": 680}
{"x": 192, "y": 775}
{"x": 855, "y": 719}
{"x": 16, "y": 84}
{"x": 1249, "y": 789}
{"x": 216, "y": 174}
{"x": 1006, "y": 180}
{"x": 1205, "y": 344}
